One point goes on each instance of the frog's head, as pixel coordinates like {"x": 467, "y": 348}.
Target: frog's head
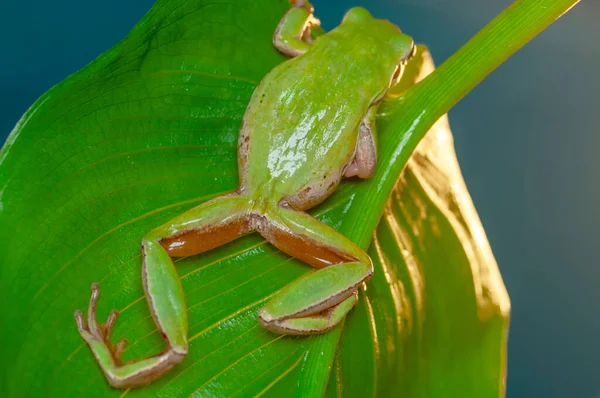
{"x": 393, "y": 48}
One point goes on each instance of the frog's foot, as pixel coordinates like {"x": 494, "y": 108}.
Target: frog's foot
{"x": 92, "y": 332}
{"x": 315, "y": 323}
{"x": 131, "y": 374}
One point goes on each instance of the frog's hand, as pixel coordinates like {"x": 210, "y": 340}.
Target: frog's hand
{"x": 318, "y": 301}
{"x": 202, "y": 228}
{"x": 292, "y": 36}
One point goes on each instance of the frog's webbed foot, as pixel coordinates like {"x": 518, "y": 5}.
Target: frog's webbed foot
{"x": 109, "y": 356}
{"x": 93, "y": 332}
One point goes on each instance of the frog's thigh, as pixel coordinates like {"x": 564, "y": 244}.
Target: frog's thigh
{"x": 202, "y": 228}
{"x": 365, "y": 158}
{"x": 319, "y": 300}
{"x": 291, "y": 31}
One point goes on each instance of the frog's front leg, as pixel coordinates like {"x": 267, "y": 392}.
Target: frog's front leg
{"x": 318, "y": 301}
{"x": 365, "y": 158}
{"x": 292, "y": 36}
{"x": 202, "y": 228}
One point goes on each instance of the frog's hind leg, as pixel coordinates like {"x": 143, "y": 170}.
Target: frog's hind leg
{"x": 318, "y": 301}
{"x": 202, "y": 228}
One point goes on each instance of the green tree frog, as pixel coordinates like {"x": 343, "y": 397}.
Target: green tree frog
{"x": 310, "y": 122}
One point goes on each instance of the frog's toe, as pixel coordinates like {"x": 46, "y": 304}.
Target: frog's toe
{"x": 118, "y": 351}
{"x": 88, "y": 328}
{"x": 108, "y": 326}
{"x": 91, "y": 331}
{"x": 81, "y": 324}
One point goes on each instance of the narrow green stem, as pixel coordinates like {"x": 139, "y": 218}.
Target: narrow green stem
{"x": 497, "y": 41}
{"x": 414, "y": 112}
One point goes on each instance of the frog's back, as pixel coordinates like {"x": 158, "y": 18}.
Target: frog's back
{"x": 302, "y": 120}
{"x": 300, "y": 128}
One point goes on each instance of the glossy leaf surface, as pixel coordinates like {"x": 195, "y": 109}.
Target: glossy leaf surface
{"x": 148, "y": 130}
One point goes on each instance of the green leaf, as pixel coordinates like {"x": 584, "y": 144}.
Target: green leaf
{"x": 148, "y": 130}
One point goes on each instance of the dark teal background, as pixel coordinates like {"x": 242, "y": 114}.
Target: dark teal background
{"x": 527, "y": 138}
